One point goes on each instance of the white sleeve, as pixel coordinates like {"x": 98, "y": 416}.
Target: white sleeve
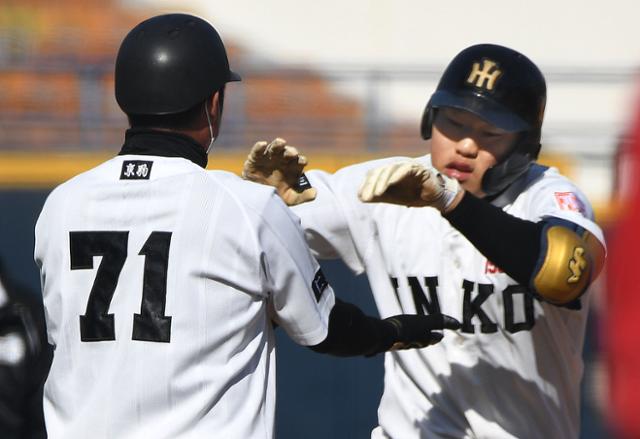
{"x": 301, "y": 298}
{"x": 337, "y": 224}
{"x": 325, "y": 219}
{"x": 558, "y": 197}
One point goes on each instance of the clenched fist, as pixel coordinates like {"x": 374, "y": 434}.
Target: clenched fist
{"x": 279, "y": 165}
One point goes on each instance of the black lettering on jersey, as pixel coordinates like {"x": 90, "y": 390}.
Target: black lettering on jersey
{"x": 95, "y": 324}
{"x": 423, "y": 304}
{"x": 394, "y": 282}
{"x": 474, "y": 307}
{"x": 527, "y": 304}
{"x": 319, "y": 284}
{"x": 151, "y": 324}
{"x": 136, "y": 170}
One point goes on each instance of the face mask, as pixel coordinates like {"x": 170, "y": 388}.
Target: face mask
{"x": 213, "y": 139}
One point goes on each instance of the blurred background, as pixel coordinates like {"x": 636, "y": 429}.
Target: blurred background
{"x": 344, "y": 81}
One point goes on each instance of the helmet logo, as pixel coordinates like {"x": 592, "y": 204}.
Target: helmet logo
{"x": 486, "y": 76}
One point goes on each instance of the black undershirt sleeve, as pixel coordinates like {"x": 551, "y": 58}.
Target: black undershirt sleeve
{"x": 511, "y": 243}
{"x": 353, "y": 333}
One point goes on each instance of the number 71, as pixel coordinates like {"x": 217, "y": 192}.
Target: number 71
{"x": 96, "y": 325}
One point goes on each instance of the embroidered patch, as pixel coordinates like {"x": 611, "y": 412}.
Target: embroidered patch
{"x": 319, "y": 284}
{"x": 569, "y": 201}
{"x": 136, "y": 170}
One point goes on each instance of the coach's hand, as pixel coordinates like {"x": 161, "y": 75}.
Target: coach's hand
{"x": 419, "y": 331}
{"x": 279, "y": 165}
{"x": 409, "y": 183}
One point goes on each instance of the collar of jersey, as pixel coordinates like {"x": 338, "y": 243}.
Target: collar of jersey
{"x": 146, "y": 141}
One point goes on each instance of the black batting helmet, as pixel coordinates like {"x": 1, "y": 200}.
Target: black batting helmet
{"x": 504, "y": 88}
{"x": 168, "y": 64}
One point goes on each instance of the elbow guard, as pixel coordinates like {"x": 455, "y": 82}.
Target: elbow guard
{"x": 568, "y": 263}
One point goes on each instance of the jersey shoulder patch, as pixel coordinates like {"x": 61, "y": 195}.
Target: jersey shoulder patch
{"x": 569, "y": 201}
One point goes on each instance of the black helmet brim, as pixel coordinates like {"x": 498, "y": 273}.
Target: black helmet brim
{"x": 488, "y": 110}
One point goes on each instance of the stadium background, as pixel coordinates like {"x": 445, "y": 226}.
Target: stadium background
{"x": 58, "y": 117}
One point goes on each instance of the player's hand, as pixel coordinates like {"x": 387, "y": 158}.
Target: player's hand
{"x": 419, "y": 331}
{"x": 279, "y": 165}
{"x": 409, "y": 183}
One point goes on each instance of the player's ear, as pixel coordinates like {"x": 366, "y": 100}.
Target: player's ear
{"x": 216, "y": 104}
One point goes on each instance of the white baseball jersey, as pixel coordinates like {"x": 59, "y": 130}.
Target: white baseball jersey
{"x": 161, "y": 283}
{"x": 514, "y": 369}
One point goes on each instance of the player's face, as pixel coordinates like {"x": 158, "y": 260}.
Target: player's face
{"x": 464, "y": 146}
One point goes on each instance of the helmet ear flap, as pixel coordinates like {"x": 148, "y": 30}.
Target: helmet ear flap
{"x": 515, "y": 164}
{"x": 535, "y": 150}
{"x": 533, "y": 144}
{"x": 427, "y": 121}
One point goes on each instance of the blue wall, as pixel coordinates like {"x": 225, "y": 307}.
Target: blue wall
{"x": 322, "y": 397}
{"x": 19, "y": 210}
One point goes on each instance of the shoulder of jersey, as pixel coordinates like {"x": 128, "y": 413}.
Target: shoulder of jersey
{"x": 552, "y": 178}
{"x": 255, "y": 194}
{"x": 80, "y": 181}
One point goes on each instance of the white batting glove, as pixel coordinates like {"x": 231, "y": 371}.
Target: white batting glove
{"x": 409, "y": 183}
{"x": 281, "y": 166}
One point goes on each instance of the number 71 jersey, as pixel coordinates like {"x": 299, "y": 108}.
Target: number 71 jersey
{"x": 161, "y": 281}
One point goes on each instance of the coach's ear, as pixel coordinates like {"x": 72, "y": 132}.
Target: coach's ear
{"x": 214, "y": 107}
{"x": 281, "y": 166}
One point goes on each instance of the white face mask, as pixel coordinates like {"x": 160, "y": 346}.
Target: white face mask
{"x": 213, "y": 139}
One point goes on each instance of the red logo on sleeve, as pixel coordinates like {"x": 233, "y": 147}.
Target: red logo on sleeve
{"x": 568, "y": 201}
{"x": 491, "y": 268}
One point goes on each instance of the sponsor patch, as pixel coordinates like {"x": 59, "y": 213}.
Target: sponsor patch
{"x": 319, "y": 284}
{"x": 491, "y": 268}
{"x": 568, "y": 201}
{"x": 136, "y": 170}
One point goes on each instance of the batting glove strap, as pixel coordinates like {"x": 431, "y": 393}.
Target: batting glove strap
{"x": 279, "y": 165}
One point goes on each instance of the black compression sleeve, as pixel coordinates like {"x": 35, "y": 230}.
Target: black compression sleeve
{"x": 352, "y": 333}
{"x": 511, "y": 243}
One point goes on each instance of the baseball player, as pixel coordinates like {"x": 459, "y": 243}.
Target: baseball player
{"x": 507, "y": 246}
{"x": 162, "y": 281}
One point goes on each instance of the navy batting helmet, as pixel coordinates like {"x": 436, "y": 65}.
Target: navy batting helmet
{"x": 168, "y": 64}
{"x": 504, "y": 88}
